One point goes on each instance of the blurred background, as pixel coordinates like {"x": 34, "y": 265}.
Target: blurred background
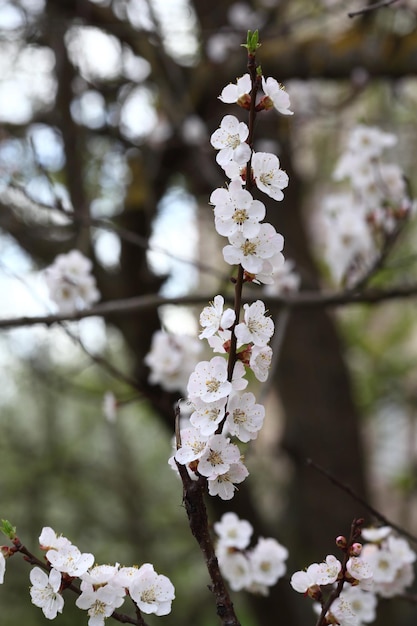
{"x": 106, "y": 110}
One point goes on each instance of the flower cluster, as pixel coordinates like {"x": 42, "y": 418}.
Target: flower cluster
{"x": 70, "y": 282}
{"x": 253, "y": 569}
{"x": 103, "y": 587}
{"x": 381, "y": 567}
{"x": 357, "y": 222}
{"x": 220, "y": 406}
{"x": 171, "y": 359}
{"x": 390, "y": 558}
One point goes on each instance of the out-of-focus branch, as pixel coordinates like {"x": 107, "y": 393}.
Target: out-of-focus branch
{"x": 372, "y": 7}
{"x": 347, "y": 489}
{"x": 303, "y": 300}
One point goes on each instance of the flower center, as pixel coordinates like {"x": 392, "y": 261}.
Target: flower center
{"x": 240, "y": 216}
{"x": 214, "y": 457}
{"x": 212, "y": 385}
{"x": 239, "y": 416}
{"x": 248, "y": 248}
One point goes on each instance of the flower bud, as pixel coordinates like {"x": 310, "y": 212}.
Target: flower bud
{"x": 341, "y": 542}
{"x": 355, "y": 549}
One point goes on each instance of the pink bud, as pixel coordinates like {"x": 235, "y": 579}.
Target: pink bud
{"x": 341, "y": 542}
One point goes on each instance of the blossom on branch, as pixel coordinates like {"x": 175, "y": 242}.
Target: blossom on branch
{"x": 276, "y": 96}
{"x": 99, "y": 602}
{"x": 238, "y": 93}
{"x": 70, "y": 282}
{"x": 213, "y": 318}
{"x": 235, "y": 210}
{"x": 233, "y": 532}
{"x": 268, "y": 176}
{"x": 257, "y": 328}
{"x": 251, "y": 252}
{"x": 44, "y": 591}
{"x": 223, "y": 485}
{"x": 218, "y": 456}
{"x": 152, "y": 592}
{"x": 245, "y": 418}
{"x": 230, "y": 140}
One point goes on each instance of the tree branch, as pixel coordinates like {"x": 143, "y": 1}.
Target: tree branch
{"x": 379, "y": 516}
{"x": 372, "y": 7}
{"x": 302, "y": 300}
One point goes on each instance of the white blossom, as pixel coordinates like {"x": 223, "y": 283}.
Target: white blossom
{"x": 230, "y": 140}
{"x": 44, "y": 591}
{"x": 277, "y": 95}
{"x": 236, "y": 568}
{"x": 260, "y": 362}
{"x": 218, "y": 456}
{"x": 342, "y": 610}
{"x": 101, "y": 602}
{"x": 328, "y": 570}
{"x": 233, "y": 532}
{"x": 224, "y": 484}
{"x": 70, "y": 560}
{"x": 171, "y": 360}
{"x": 100, "y": 574}
{"x": 376, "y": 535}
{"x": 303, "y": 580}
{"x": 193, "y": 444}
{"x": 268, "y": 176}
{"x": 267, "y": 559}
{"x": 235, "y": 210}
{"x": 359, "y": 569}
{"x": 49, "y": 539}
{"x": 209, "y": 380}
{"x": 152, "y": 592}
{"x": 251, "y": 252}
{"x": 213, "y": 318}
{"x": 70, "y": 282}
{"x": 245, "y": 418}
{"x": 239, "y": 92}
{"x": 207, "y": 415}
{"x": 257, "y": 328}
{"x": 363, "y": 603}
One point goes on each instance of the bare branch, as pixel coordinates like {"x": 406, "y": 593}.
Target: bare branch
{"x": 303, "y": 300}
{"x": 361, "y": 500}
{"x": 372, "y": 7}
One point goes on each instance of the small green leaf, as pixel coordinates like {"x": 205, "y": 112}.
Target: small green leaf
{"x": 7, "y": 529}
{"x": 252, "y": 41}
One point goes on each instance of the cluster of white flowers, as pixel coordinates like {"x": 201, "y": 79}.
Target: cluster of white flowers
{"x": 253, "y": 569}
{"x": 390, "y": 558}
{"x": 219, "y": 409}
{"x": 381, "y": 567}
{"x": 171, "y": 359}
{"x": 103, "y": 587}
{"x": 355, "y": 223}
{"x": 70, "y": 282}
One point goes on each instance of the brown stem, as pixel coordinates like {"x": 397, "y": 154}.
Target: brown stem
{"x": 193, "y": 498}
{"x": 372, "y": 7}
{"x": 354, "y": 533}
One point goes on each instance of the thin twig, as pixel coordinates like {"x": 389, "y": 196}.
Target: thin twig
{"x": 372, "y": 7}
{"x": 361, "y": 500}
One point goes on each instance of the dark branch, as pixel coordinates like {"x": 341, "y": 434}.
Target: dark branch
{"x": 361, "y": 501}
{"x": 303, "y": 300}
{"x": 372, "y": 7}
